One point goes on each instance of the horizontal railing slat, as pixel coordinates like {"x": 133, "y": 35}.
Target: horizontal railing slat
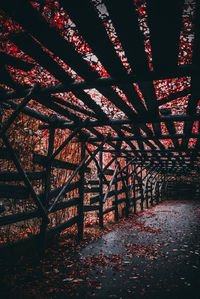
{"x": 9, "y": 219}
{"x": 7, "y": 176}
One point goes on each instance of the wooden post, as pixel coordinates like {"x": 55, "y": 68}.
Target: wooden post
{"x": 147, "y": 192}
{"x": 101, "y": 190}
{"x": 81, "y": 194}
{"x": 126, "y": 191}
{"x": 157, "y": 190}
{"x": 141, "y": 190}
{"x": 43, "y": 227}
{"x": 116, "y": 197}
{"x": 167, "y": 189}
{"x": 151, "y": 201}
{"x": 48, "y": 167}
{"x": 127, "y": 184}
{"x": 162, "y": 189}
{"x": 134, "y": 195}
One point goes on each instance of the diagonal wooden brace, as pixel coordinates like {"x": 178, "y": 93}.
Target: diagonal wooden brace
{"x": 64, "y": 189}
{"x": 74, "y": 133}
{"x": 19, "y": 108}
{"x": 97, "y": 165}
{"x": 110, "y": 184}
{"x": 44, "y": 212}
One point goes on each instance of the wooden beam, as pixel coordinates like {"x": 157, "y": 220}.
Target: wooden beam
{"x": 165, "y": 21}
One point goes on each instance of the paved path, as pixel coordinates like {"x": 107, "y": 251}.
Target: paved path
{"x": 155, "y": 255}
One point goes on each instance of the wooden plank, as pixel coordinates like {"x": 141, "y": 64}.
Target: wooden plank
{"x": 125, "y": 20}
{"x": 110, "y": 183}
{"x": 88, "y": 27}
{"x": 42, "y": 160}
{"x": 172, "y": 131}
{"x": 15, "y": 176}
{"x": 37, "y": 26}
{"x": 95, "y": 199}
{"x": 5, "y": 154}
{"x": 148, "y": 92}
{"x": 47, "y": 188}
{"x": 93, "y": 182}
{"x": 30, "y": 46}
{"x": 25, "y": 178}
{"x": 60, "y": 227}
{"x": 157, "y": 151}
{"x": 125, "y": 121}
{"x": 53, "y": 193}
{"x": 91, "y": 190}
{"x": 90, "y": 208}
{"x": 195, "y": 88}
{"x": 30, "y": 112}
{"x": 125, "y": 190}
{"x": 9, "y": 219}
{"x": 165, "y": 21}
{"x": 15, "y": 62}
{"x": 50, "y": 232}
{"x": 108, "y": 172}
{"x": 115, "y": 203}
{"x": 101, "y": 177}
{"x": 144, "y": 138}
{"x": 126, "y": 23}
{"x": 65, "y": 204}
{"x": 181, "y": 71}
{"x": 73, "y": 107}
{"x": 13, "y": 191}
{"x": 173, "y": 96}
{"x": 109, "y": 58}
{"x": 47, "y": 102}
{"x": 93, "y": 157}
{"x": 81, "y": 191}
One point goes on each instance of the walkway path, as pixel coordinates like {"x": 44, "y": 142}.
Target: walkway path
{"x": 156, "y": 255}
{"x": 153, "y": 255}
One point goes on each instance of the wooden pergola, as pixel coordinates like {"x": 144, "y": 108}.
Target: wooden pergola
{"x": 134, "y": 48}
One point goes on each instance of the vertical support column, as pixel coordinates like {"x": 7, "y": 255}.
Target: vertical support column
{"x": 81, "y": 194}
{"x": 163, "y": 187}
{"x": 101, "y": 190}
{"x": 43, "y": 227}
{"x": 127, "y": 197}
{"x": 125, "y": 191}
{"x": 48, "y": 167}
{"x": 157, "y": 190}
{"x": 127, "y": 182}
{"x": 134, "y": 195}
{"x": 116, "y": 197}
{"x": 141, "y": 190}
{"x": 147, "y": 192}
{"x": 151, "y": 200}
{"x": 167, "y": 189}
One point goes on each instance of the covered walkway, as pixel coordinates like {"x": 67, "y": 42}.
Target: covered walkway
{"x": 99, "y": 123}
